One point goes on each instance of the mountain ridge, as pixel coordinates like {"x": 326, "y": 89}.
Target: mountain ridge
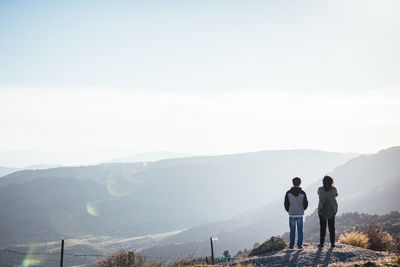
{"x": 134, "y": 197}
{"x": 254, "y": 226}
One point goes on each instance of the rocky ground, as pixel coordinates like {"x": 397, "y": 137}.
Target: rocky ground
{"x": 311, "y": 255}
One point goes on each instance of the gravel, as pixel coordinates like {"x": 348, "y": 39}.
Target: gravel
{"x": 311, "y": 255}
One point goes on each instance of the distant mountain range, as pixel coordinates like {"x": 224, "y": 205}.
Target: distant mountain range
{"x": 21, "y": 159}
{"x": 5, "y": 170}
{"x": 131, "y": 199}
{"x": 367, "y": 183}
{"x": 151, "y": 156}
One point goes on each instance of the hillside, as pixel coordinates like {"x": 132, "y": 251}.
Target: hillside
{"x": 366, "y": 184}
{"x": 131, "y": 199}
{"x": 314, "y": 256}
{"x": 92, "y": 183}
{"x": 351, "y": 221}
{"x": 5, "y": 171}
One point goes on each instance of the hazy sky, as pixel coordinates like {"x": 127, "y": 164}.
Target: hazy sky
{"x": 199, "y": 76}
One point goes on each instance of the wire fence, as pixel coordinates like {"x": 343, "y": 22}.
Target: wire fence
{"x": 49, "y": 253}
{"x": 14, "y": 257}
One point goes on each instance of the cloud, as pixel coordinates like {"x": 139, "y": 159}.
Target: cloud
{"x": 222, "y": 122}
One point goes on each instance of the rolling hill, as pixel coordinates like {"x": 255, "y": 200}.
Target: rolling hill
{"x": 367, "y": 183}
{"x": 131, "y": 199}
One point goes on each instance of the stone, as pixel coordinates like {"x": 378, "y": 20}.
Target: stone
{"x": 273, "y": 244}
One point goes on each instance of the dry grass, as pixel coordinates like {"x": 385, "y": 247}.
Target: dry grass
{"x": 123, "y": 259}
{"x": 188, "y": 262}
{"x": 378, "y": 239}
{"x": 240, "y": 265}
{"x": 357, "y": 239}
{"x": 394, "y": 262}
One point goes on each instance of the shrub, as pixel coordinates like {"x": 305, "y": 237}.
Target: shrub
{"x": 378, "y": 239}
{"x": 242, "y": 254}
{"x": 123, "y": 258}
{"x": 241, "y": 265}
{"x": 226, "y": 254}
{"x": 369, "y": 264}
{"x": 355, "y": 239}
{"x": 190, "y": 261}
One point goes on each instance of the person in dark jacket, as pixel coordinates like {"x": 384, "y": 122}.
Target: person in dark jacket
{"x": 327, "y": 209}
{"x": 295, "y": 204}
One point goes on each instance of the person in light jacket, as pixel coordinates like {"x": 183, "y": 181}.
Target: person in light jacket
{"x": 327, "y": 209}
{"x": 295, "y": 204}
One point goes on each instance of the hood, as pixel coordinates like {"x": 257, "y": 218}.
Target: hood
{"x": 295, "y": 190}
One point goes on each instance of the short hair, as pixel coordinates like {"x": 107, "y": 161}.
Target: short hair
{"x": 296, "y": 181}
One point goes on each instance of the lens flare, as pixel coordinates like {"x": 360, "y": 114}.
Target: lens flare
{"x": 92, "y": 208}
{"x": 32, "y": 259}
{"x": 122, "y": 183}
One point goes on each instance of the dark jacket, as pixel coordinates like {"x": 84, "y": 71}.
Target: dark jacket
{"x": 327, "y": 206}
{"x": 296, "y": 201}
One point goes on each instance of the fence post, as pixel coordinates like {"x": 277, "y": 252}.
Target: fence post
{"x": 131, "y": 258}
{"x": 212, "y": 251}
{"x": 62, "y": 253}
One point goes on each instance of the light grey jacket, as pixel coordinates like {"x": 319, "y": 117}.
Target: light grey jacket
{"x": 296, "y": 201}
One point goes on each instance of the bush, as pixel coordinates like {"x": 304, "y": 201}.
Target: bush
{"x": 378, "y": 239}
{"x": 123, "y": 258}
{"x": 187, "y": 262}
{"x": 356, "y": 239}
{"x": 242, "y": 254}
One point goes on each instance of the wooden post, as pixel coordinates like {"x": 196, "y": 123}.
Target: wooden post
{"x": 62, "y": 253}
{"x": 131, "y": 258}
{"x": 212, "y": 251}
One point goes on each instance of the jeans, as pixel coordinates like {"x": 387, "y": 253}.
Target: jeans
{"x": 331, "y": 226}
{"x": 293, "y": 221}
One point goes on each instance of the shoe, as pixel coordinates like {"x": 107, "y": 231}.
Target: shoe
{"x": 333, "y": 245}
{"x": 300, "y": 248}
{"x": 290, "y": 248}
{"x": 320, "y": 245}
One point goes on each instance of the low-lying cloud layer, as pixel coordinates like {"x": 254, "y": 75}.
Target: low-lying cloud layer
{"x": 203, "y": 123}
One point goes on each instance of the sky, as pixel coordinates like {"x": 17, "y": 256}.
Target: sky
{"x": 202, "y": 77}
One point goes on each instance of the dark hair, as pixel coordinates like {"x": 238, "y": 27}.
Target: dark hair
{"x": 327, "y": 182}
{"x": 296, "y": 181}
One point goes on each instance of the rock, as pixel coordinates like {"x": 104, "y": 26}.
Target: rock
{"x": 273, "y": 244}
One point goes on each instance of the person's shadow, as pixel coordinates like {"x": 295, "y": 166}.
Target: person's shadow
{"x": 317, "y": 257}
{"x": 327, "y": 259}
{"x": 291, "y": 257}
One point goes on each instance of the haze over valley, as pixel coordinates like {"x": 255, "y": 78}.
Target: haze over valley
{"x": 156, "y": 127}
{"x": 236, "y": 198}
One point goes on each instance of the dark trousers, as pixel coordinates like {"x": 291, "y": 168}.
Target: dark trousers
{"x": 331, "y": 226}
